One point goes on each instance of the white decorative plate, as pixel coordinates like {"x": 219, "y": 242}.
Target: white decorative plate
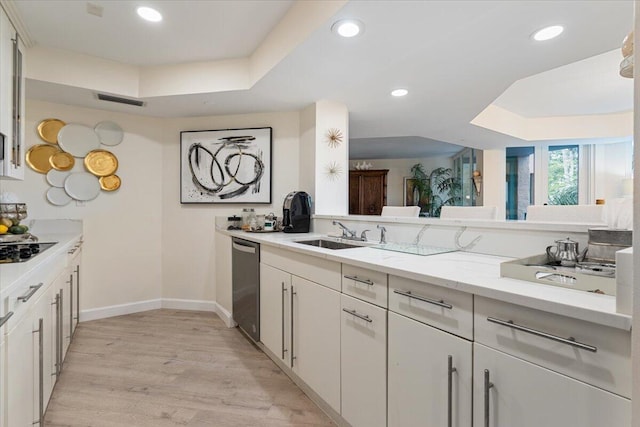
{"x": 57, "y": 196}
{"x": 109, "y": 133}
{"x": 56, "y": 178}
{"x": 78, "y": 140}
{"x": 82, "y": 186}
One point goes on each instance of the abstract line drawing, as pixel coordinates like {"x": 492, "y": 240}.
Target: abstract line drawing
{"x": 226, "y": 166}
{"x": 334, "y": 137}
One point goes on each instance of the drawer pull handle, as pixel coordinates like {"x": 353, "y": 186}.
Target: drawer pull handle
{"x": 357, "y": 279}
{"x": 440, "y": 303}
{"x": 358, "y": 315}
{"x": 569, "y": 341}
{"x": 4, "y": 319}
{"x": 32, "y": 290}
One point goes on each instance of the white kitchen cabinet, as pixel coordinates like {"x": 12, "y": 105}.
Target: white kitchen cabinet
{"x": 509, "y": 391}
{"x": 363, "y": 363}
{"x": 275, "y": 311}
{"x": 3, "y": 382}
{"x": 43, "y": 310}
{"x": 315, "y": 338}
{"x": 423, "y": 390}
{"x": 12, "y": 100}
{"x": 20, "y": 372}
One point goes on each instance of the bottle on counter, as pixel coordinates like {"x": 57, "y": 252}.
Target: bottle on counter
{"x": 248, "y": 217}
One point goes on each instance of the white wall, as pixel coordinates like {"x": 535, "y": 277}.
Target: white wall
{"x": 188, "y": 246}
{"x": 122, "y": 230}
{"x": 140, "y": 243}
{"x": 398, "y": 170}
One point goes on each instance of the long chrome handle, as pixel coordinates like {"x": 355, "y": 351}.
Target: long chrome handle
{"x": 357, "y": 279}
{"x": 57, "y": 304}
{"x": 40, "y": 332}
{"x": 243, "y": 248}
{"x": 440, "y": 303}
{"x": 32, "y": 290}
{"x": 78, "y": 293}
{"x": 358, "y": 315}
{"x": 450, "y": 371}
{"x": 60, "y": 331}
{"x": 568, "y": 341}
{"x": 70, "y": 305}
{"x": 488, "y": 385}
{"x": 293, "y": 357}
{"x": 284, "y": 291}
{"x": 4, "y": 319}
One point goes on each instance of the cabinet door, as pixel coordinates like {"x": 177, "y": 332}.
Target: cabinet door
{"x": 43, "y": 310}
{"x": 420, "y": 393}
{"x": 373, "y": 193}
{"x": 275, "y": 311}
{"x": 526, "y": 395}
{"x": 316, "y": 338}
{"x": 20, "y": 376}
{"x": 354, "y": 193}
{"x": 66, "y": 295}
{"x": 3, "y": 383}
{"x": 6, "y": 78}
{"x": 363, "y": 363}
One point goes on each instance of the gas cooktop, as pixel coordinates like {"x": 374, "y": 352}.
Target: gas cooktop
{"x": 21, "y": 251}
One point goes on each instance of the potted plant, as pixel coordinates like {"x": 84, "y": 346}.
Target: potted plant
{"x": 435, "y": 189}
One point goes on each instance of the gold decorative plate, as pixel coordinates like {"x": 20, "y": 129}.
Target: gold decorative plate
{"x": 101, "y": 162}
{"x": 38, "y": 157}
{"x": 110, "y": 183}
{"x": 48, "y": 130}
{"x": 62, "y": 161}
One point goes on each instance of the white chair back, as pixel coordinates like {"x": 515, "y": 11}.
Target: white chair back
{"x": 469, "y": 212}
{"x": 406, "y": 211}
{"x": 585, "y": 214}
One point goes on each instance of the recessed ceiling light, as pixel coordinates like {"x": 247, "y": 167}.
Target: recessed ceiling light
{"x": 548, "y": 33}
{"x": 149, "y": 14}
{"x": 399, "y": 92}
{"x": 347, "y": 27}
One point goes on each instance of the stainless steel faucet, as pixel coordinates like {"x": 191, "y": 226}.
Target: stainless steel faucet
{"x": 383, "y": 233}
{"x": 346, "y": 232}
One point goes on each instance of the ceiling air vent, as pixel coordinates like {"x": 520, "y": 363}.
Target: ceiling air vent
{"x": 119, "y": 100}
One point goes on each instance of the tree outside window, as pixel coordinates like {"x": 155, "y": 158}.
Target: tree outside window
{"x": 563, "y": 175}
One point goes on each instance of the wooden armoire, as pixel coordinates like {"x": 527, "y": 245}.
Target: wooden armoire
{"x": 367, "y": 191}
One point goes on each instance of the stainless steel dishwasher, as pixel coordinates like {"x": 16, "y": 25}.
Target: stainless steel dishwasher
{"x": 245, "y": 268}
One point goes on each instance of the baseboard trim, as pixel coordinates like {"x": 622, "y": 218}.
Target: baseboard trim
{"x": 173, "y": 303}
{"x": 119, "y": 310}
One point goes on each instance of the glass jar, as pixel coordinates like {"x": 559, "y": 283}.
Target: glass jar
{"x": 248, "y": 217}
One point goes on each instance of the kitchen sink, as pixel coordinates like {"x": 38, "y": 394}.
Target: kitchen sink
{"x": 327, "y": 244}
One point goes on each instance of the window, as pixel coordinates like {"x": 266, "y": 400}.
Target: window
{"x": 562, "y": 175}
{"x": 520, "y": 181}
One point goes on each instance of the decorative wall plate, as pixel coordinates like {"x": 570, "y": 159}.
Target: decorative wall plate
{"x": 110, "y": 183}
{"x": 82, "y": 186}
{"x": 78, "y": 140}
{"x": 62, "y": 161}
{"x": 56, "y": 178}
{"x": 48, "y": 130}
{"x": 57, "y": 196}
{"x": 38, "y": 157}
{"x": 109, "y": 133}
{"x": 101, "y": 163}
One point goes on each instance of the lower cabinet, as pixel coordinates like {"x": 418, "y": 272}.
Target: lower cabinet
{"x": 363, "y": 363}
{"x": 3, "y": 382}
{"x": 430, "y": 376}
{"x": 21, "y": 375}
{"x": 512, "y": 392}
{"x": 275, "y": 309}
{"x": 315, "y": 338}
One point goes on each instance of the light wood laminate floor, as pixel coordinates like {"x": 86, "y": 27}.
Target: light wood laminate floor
{"x": 173, "y": 368}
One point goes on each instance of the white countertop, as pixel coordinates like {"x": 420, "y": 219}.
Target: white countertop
{"x": 12, "y": 274}
{"x": 469, "y": 272}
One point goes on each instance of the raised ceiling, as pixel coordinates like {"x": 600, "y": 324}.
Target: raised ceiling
{"x": 455, "y": 57}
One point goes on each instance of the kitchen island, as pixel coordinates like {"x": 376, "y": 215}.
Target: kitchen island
{"x": 397, "y": 330}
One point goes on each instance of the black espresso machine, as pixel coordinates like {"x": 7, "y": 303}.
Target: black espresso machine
{"x": 296, "y": 212}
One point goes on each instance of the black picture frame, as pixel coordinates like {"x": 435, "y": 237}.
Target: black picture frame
{"x": 226, "y": 166}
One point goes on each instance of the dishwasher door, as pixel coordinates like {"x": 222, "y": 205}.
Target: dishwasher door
{"x": 246, "y": 286}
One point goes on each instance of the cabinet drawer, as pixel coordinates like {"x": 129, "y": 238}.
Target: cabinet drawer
{"x": 596, "y": 354}
{"x": 308, "y": 267}
{"x": 368, "y": 285}
{"x": 363, "y": 363}
{"x": 443, "y": 308}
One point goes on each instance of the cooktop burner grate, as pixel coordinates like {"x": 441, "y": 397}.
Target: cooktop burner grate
{"x": 21, "y": 252}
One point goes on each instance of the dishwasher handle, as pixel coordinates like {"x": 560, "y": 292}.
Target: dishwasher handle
{"x": 243, "y": 248}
